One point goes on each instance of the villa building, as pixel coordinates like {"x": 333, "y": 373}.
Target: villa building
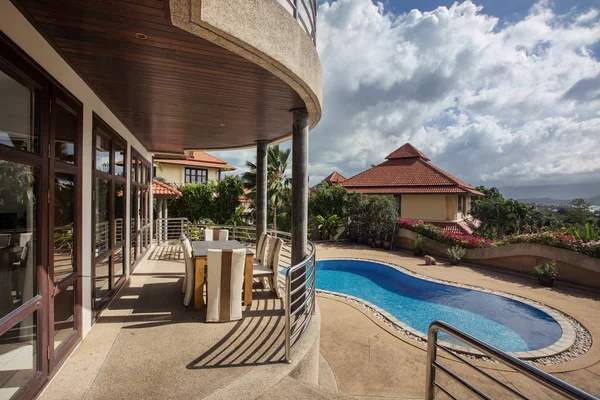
{"x": 198, "y": 167}
{"x": 422, "y": 190}
{"x": 335, "y": 178}
{"x": 90, "y": 92}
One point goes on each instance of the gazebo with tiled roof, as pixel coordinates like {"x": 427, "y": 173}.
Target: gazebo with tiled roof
{"x": 163, "y": 192}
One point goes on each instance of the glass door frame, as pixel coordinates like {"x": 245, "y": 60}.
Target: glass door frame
{"x": 24, "y": 70}
{"x": 141, "y": 235}
{"x": 113, "y": 246}
{"x": 60, "y": 98}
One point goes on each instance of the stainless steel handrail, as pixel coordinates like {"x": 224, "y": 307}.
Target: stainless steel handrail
{"x": 302, "y": 312}
{"x": 305, "y": 12}
{"x": 549, "y": 381}
{"x": 302, "y": 276}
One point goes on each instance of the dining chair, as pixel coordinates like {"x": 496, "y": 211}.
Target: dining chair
{"x": 261, "y": 248}
{"x": 225, "y": 279}
{"x": 270, "y": 270}
{"x": 215, "y": 234}
{"x": 188, "y": 280}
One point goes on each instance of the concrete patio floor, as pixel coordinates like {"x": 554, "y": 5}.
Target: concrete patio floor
{"x": 147, "y": 345}
{"x": 369, "y": 359}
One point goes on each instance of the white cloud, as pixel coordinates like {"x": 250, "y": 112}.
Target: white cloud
{"x": 491, "y": 102}
{"x": 499, "y": 104}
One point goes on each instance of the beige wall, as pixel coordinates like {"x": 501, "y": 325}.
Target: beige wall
{"x": 423, "y": 206}
{"x": 20, "y": 31}
{"x": 175, "y": 174}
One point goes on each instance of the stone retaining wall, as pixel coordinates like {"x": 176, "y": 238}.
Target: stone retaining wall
{"x": 523, "y": 257}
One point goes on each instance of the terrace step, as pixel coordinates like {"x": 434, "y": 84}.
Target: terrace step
{"x": 291, "y": 389}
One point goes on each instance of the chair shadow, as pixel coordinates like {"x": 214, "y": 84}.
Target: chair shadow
{"x": 257, "y": 339}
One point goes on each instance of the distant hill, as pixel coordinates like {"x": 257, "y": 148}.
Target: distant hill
{"x": 595, "y": 201}
{"x": 547, "y": 201}
{"x": 555, "y": 192}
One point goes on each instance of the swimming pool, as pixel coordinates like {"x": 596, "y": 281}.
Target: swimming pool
{"x": 506, "y": 323}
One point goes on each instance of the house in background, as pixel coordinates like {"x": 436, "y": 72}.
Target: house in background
{"x": 199, "y": 167}
{"x": 335, "y": 178}
{"x": 422, "y": 190}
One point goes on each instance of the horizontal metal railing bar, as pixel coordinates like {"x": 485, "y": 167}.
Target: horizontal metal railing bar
{"x": 306, "y": 320}
{"x": 460, "y": 380}
{"x": 476, "y": 368}
{"x": 296, "y": 279}
{"x": 529, "y": 371}
{"x": 443, "y": 389}
{"x": 306, "y": 297}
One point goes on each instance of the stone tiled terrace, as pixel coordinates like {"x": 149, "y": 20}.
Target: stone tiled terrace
{"x": 147, "y": 345}
{"x": 363, "y": 357}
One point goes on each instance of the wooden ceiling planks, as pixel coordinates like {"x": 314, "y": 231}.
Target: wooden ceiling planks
{"x": 173, "y": 90}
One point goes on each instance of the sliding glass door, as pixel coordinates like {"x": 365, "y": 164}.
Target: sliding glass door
{"x": 40, "y": 231}
{"x": 140, "y": 178}
{"x": 109, "y": 206}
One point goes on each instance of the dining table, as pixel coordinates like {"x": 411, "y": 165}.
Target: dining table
{"x": 200, "y": 255}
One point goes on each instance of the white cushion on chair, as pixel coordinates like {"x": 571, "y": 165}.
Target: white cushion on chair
{"x": 260, "y": 269}
{"x": 217, "y": 293}
{"x": 208, "y": 235}
{"x": 223, "y": 234}
{"x": 189, "y": 272}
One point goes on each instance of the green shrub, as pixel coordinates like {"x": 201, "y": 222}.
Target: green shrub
{"x": 456, "y": 253}
{"x": 418, "y": 245}
{"x": 547, "y": 270}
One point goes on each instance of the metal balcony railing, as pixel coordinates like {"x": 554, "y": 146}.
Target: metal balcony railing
{"x": 305, "y": 12}
{"x": 299, "y": 279}
{"x": 434, "y": 365}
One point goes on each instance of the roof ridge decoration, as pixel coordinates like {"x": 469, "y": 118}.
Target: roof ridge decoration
{"x": 335, "y": 174}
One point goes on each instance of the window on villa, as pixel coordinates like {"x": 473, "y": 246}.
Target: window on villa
{"x": 196, "y": 175}
{"x": 460, "y": 203}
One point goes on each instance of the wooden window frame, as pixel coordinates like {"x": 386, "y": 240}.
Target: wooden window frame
{"x": 195, "y": 172}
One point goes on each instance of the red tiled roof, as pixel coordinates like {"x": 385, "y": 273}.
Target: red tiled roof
{"x": 160, "y": 189}
{"x": 406, "y": 151}
{"x": 243, "y": 198}
{"x": 199, "y": 159}
{"x": 407, "y": 170}
{"x": 335, "y": 177}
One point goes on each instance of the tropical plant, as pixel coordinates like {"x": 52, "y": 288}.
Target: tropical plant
{"x": 579, "y": 212}
{"x": 418, "y": 245}
{"x": 547, "y": 270}
{"x": 227, "y": 198}
{"x": 277, "y": 180}
{"x": 327, "y": 226}
{"x": 328, "y": 200}
{"x": 585, "y": 233}
{"x": 239, "y": 217}
{"x": 456, "y": 253}
{"x": 197, "y": 201}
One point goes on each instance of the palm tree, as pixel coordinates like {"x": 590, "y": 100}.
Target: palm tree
{"x": 277, "y": 181}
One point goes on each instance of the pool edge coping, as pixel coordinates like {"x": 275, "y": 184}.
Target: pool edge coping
{"x": 563, "y": 344}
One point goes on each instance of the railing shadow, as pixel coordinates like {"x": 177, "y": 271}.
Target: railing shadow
{"x": 257, "y": 339}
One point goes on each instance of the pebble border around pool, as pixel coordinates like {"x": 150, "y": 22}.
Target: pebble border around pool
{"x": 574, "y": 342}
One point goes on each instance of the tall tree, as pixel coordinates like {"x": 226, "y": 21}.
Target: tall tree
{"x": 278, "y": 162}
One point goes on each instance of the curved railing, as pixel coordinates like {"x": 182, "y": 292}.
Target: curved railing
{"x": 305, "y": 12}
{"x": 299, "y": 279}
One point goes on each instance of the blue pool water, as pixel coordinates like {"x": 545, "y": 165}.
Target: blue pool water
{"x": 505, "y": 323}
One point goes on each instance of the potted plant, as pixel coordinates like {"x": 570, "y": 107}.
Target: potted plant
{"x": 455, "y": 253}
{"x": 418, "y": 246}
{"x": 546, "y": 273}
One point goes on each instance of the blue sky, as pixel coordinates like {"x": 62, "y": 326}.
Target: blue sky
{"x": 502, "y": 93}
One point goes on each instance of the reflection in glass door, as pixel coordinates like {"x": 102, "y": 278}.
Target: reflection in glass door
{"x": 140, "y": 211}
{"x": 40, "y": 131}
{"x": 109, "y": 205}
{"x": 65, "y": 226}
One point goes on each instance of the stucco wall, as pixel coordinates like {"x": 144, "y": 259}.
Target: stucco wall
{"x": 427, "y": 207}
{"x": 20, "y": 31}
{"x": 573, "y": 267}
{"x": 263, "y": 32}
{"x": 175, "y": 174}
